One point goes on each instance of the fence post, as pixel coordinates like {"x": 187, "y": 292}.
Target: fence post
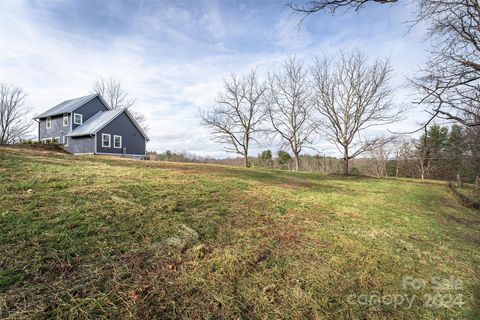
{"x": 459, "y": 182}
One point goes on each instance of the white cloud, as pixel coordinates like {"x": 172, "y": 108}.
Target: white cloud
{"x": 173, "y": 58}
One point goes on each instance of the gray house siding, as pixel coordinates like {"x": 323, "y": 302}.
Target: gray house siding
{"x": 89, "y": 109}
{"x": 57, "y": 129}
{"x": 132, "y": 138}
{"x": 81, "y": 144}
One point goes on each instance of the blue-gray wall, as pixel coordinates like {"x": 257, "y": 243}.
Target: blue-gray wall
{"x": 89, "y": 109}
{"x": 81, "y": 144}
{"x": 57, "y": 129}
{"x": 132, "y": 138}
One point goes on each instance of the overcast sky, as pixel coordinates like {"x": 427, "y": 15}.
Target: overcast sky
{"x": 172, "y": 55}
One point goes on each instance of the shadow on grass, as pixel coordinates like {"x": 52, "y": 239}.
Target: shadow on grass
{"x": 288, "y": 179}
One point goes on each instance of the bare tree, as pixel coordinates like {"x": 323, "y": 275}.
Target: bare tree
{"x": 111, "y": 90}
{"x": 238, "y": 115}
{"x": 449, "y": 84}
{"x": 379, "y": 157}
{"x": 352, "y": 95}
{"x": 400, "y": 147}
{"x": 13, "y": 114}
{"x": 117, "y": 97}
{"x": 290, "y": 108}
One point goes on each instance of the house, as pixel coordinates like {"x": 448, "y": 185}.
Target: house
{"x": 87, "y": 125}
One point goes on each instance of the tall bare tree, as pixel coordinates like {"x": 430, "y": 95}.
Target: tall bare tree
{"x": 117, "y": 97}
{"x": 449, "y": 84}
{"x": 290, "y": 108}
{"x": 352, "y": 95}
{"x": 237, "y": 118}
{"x": 14, "y": 124}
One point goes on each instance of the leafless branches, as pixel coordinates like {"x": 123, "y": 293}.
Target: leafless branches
{"x": 111, "y": 90}
{"x": 352, "y": 95}
{"x": 331, "y": 6}
{"x": 290, "y": 108}
{"x": 117, "y": 97}
{"x": 13, "y": 114}
{"x": 449, "y": 84}
{"x": 238, "y": 115}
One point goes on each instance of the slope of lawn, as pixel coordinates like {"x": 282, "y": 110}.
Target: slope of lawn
{"x": 470, "y": 192}
{"x": 97, "y": 237}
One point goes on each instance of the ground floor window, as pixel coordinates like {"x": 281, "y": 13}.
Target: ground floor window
{"x": 105, "y": 140}
{"x": 117, "y": 142}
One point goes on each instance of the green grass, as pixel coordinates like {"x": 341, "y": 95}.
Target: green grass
{"x": 470, "y": 192}
{"x": 95, "y": 237}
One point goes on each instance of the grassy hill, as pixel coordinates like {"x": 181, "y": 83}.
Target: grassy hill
{"x": 93, "y": 237}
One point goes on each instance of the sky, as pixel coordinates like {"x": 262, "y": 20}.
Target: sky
{"x": 172, "y": 56}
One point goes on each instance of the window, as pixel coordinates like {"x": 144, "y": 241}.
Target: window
{"x": 77, "y": 118}
{"x": 49, "y": 122}
{"x": 105, "y": 140}
{"x": 65, "y": 140}
{"x": 65, "y": 120}
{"x": 56, "y": 140}
{"x": 117, "y": 142}
{"x": 47, "y": 140}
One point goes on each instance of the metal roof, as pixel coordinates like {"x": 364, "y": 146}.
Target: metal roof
{"x": 100, "y": 120}
{"x": 95, "y": 123}
{"x": 69, "y": 106}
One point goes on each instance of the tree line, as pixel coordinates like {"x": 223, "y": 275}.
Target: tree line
{"x": 445, "y": 152}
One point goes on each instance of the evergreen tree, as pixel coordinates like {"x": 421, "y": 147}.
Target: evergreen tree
{"x": 455, "y": 151}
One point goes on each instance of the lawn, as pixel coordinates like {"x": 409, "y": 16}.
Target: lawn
{"x": 97, "y": 237}
{"x": 470, "y": 192}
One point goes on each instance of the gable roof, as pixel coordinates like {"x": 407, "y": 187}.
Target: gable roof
{"x": 100, "y": 120}
{"x": 68, "y": 106}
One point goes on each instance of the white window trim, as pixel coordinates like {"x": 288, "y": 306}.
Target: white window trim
{"x": 49, "y": 123}
{"x": 65, "y": 116}
{"x": 75, "y": 118}
{"x": 109, "y": 140}
{"x": 65, "y": 141}
{"x": 115, "y": 136}
{"x": 46, "y": 140}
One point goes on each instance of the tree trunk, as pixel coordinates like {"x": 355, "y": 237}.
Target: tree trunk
{"x": 477, "y": 183}
{"x": 297, "y": 161}
{"x": 245, "y": 161}
{"x": 345, "y": 161}
{"x": 396, "y": 172}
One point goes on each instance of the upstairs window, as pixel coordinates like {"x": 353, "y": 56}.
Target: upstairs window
{"x": 105, "y": 140}
{"x": 77, "y": 118}
{"x": 117, "y": 142}
{"x": 49, "y": 122}
{"x": 65, "y": 120}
